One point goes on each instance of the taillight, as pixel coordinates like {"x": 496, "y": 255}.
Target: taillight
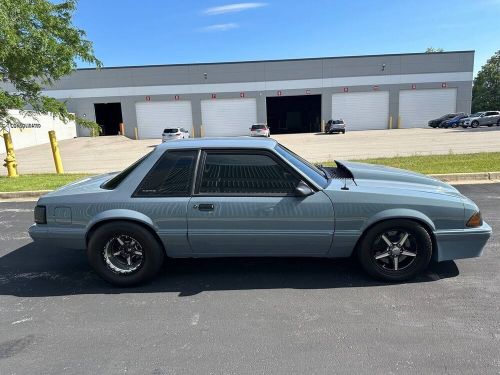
{"x": 475, "y": 220}
{"x": 40, "y": 215}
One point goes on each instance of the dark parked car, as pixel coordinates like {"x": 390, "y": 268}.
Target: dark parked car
{"x": 436, "y": 122}
{"x": 453, "y": 122}
{"x": 335, "y": 126}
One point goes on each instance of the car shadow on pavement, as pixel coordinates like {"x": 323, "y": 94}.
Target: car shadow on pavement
{"x": 33, "y": 271}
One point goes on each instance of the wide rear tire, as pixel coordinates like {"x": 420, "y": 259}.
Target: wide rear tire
{"x": 125, "y": 254}
{"x": 383, "y": 256}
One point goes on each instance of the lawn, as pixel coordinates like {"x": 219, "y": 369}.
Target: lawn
{"x": 29, "y": 182}
{"x": 438, "y": 164}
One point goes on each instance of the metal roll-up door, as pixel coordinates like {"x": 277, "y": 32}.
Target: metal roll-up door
{"x": 362, "y": 110}
{"x": 153, "y": 117}
{"x": 228, "y": 117}
{"x": 417, "y": 107}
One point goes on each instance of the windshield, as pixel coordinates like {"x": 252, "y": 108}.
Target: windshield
{"x": 171, "y": 130}
{"x": 310, "y": 170}
{"x": 476, "y": 114}
{"x": 254, "y": 127}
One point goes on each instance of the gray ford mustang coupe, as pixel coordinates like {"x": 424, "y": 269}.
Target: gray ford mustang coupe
{"x": 238, "y": 197}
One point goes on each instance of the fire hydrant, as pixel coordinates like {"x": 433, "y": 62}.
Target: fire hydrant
{"x": 10, "y": 160}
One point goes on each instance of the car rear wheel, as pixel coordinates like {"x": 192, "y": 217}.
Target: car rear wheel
{"x": 124, "y": 254}
{"x": 454, "y": 126}
{"x": 474, "y": 124}
{"x": 395, "y": 250}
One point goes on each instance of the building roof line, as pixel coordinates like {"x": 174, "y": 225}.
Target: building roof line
{"x": 276, "y": 60}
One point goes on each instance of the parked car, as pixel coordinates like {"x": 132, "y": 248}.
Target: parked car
{"x": 238, "y": 197}
{"x": 436, "y": 122}
{"x": 488, "y": 118}
{"x": 170, "y": 134}
{"x": 260, "y": 130}
{"x": 453, "y": 122}
{"x": 335, "y": 126}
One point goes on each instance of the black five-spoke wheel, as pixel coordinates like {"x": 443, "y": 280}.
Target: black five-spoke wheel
{"x": 124, "y": 253}
{"x": 395, "y": 250}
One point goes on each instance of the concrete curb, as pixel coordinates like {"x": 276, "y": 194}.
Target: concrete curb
{"x": 23, "y": 194}
{"x": 458, "y": 177}
{"x": 481, "y": 177}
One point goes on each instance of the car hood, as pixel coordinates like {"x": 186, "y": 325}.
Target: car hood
{"x": 394, "y": 178}
{"x": 83, "y": 186}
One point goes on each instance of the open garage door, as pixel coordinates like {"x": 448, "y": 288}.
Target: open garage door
{"x": 294, "y": 114}
{"x": 417, "y": 107}
{"x": 153, "y": 117}
{"x": 228, "y": 117}
{"x": 362, "y": 110}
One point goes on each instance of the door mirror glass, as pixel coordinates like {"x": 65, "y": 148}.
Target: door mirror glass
{"x": 303, "y": 190}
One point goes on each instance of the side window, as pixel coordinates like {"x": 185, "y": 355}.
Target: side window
{"x": 234, "y": 173}
{"x": 171, "y": 176}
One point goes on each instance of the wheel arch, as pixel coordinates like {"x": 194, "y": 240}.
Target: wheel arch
{"x": 122, "y": 215}
{"x": 411, "y": 215}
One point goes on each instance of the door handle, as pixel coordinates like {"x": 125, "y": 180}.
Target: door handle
{"x": 205, "y": 206}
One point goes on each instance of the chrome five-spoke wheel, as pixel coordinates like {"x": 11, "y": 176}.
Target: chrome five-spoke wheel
{"x": 395, "y": 250}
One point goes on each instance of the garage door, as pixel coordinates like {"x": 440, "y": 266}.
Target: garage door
{"x": 153, "y": 117}
{"x": 362, "y": 110}
{"x": 228, "y": 117}
{"x": 417, "y": 107}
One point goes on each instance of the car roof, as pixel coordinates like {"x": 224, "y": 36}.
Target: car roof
{"x": 222, "y": 142}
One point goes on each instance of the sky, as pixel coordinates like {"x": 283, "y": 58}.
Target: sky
{"x": 146, "y": 32}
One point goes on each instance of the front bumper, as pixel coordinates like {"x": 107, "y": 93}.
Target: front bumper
{"x": 461, "y": 243}
{"x": 61, "y": 237}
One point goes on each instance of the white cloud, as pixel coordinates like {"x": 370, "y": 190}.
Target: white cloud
{"x": 220, "y": 27}
{"x": 232, "y": 8}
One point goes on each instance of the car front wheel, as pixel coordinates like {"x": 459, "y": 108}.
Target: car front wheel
{"x": 395, "y": 250}
{"x": 474, "y": 124}
{"x": 124, "y": 254}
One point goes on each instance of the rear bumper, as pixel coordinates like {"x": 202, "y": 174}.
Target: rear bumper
{"x": 461, "y": 243}
{"x": 69, "y": 238}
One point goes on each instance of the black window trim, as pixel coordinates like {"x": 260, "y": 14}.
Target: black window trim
{"x": 246, "y": 151}
{"x": 190, "y": 190}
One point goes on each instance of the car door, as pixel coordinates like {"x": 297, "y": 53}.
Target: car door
{"x": 245, "y": 204}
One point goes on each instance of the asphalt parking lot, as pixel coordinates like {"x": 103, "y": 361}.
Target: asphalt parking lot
{"x": 246, "y": 316}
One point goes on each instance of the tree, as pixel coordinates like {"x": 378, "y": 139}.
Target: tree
{"x": 486, "y": 89}
{"x": 432, "y": 49}
{"x": 39, "y": 45}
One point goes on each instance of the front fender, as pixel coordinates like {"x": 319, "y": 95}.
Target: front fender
{"x": 398, "y": 213}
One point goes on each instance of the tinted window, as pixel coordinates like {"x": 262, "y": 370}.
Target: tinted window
{"x": 115, "y": 181}
{"x": 245, "y": 174}
{"x": 254, "y": 127}
{"x": 171, "y": 176}
{"x": 171, "y": 130}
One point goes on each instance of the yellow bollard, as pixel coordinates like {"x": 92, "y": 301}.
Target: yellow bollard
{"x": 136, "y": 135}
{"x": 399, "y": 122}
{"x": 322, "y": 126}
{"x": 202, "y": 132}
{"x": 192, "y": 135}
{"x": 390, "y": 122}
{"x": 55, "y": 152}
{"x": 10, "y": 159}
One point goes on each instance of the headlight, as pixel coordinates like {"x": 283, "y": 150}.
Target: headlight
{"x": 40, "y": 215}
{"x": 475, "y": 220}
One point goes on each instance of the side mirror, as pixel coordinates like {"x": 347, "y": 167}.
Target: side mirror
{"x": 303, "y": 190}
